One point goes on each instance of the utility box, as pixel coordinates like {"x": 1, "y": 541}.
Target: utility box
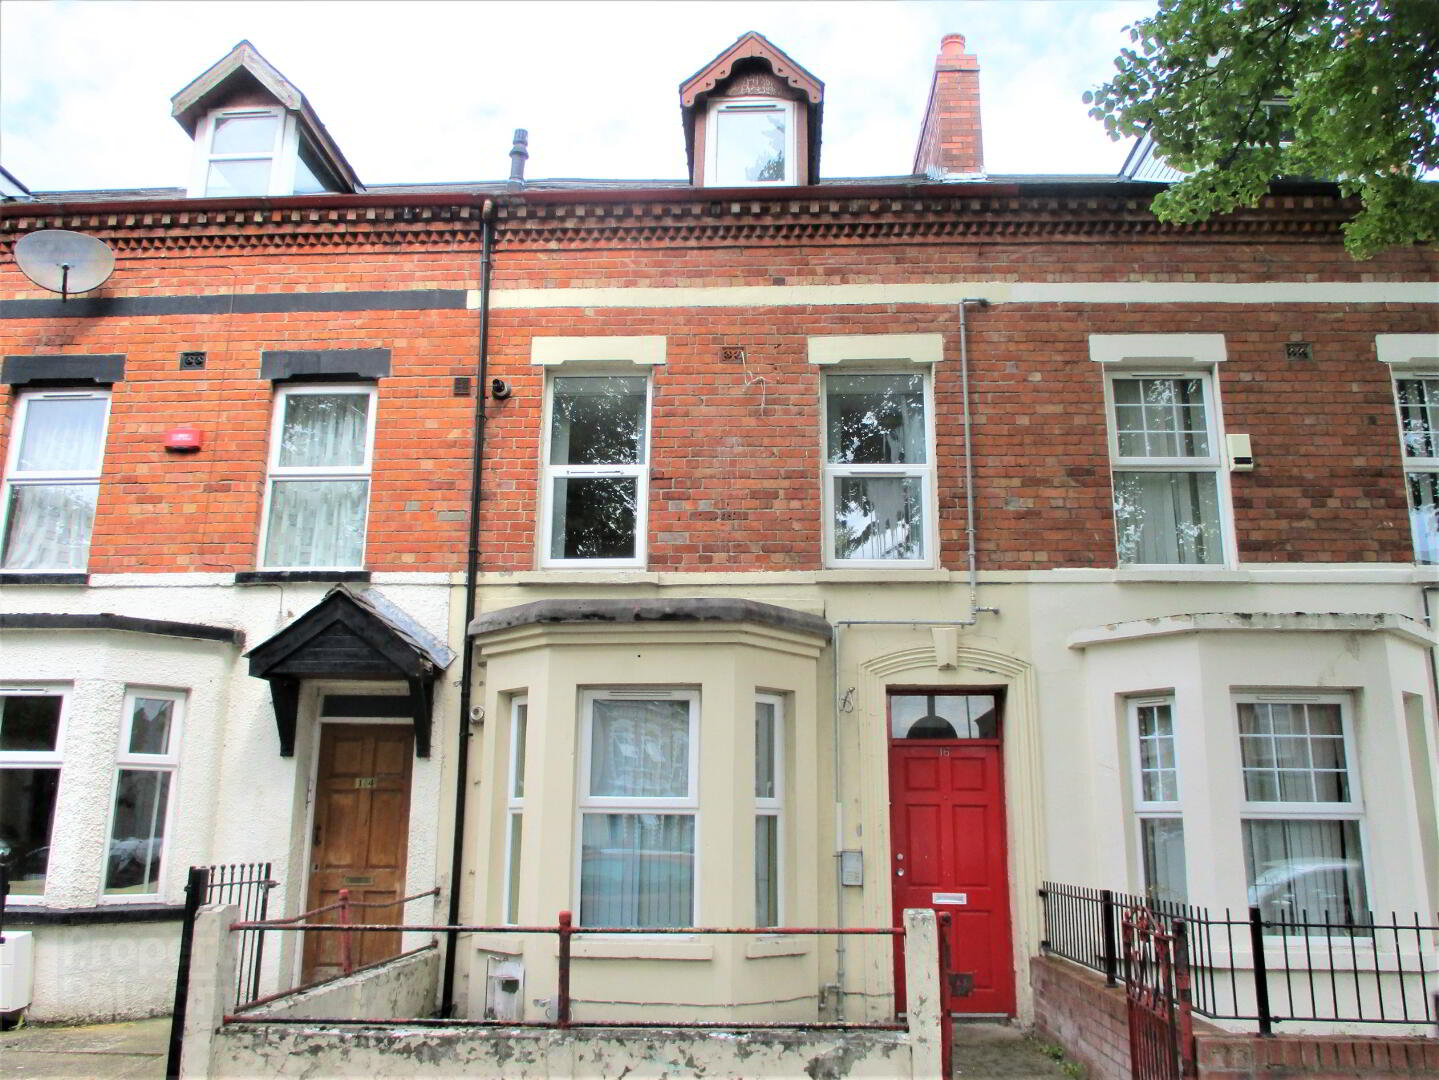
{"x": 504, "y": 989}
{"x": 17, "y": 971}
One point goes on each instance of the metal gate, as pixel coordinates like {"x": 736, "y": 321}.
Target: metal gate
{"x": 1161, "y": 1029}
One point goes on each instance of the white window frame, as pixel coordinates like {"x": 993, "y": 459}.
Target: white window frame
{"x": 1427, "y": 465}
{"x": 1277, "y": 810}
{"x": 640, "y": 470}
{"x": 40, "y": 759}
{"x": 1146, "y": 809}
{"x": 688, "y": 805}
{"x": 14, "y": 477}
{"x": 751, "y": 104}
{"x": 774, "y": 807}
{"x": 276, "y": 472}
{"x": 282, "y": 156}
{"x": 925, "y": 472}
{"x": 515, "y": 803}
{"x": 1211, "y": 463}
{"x": 127, "y": 761}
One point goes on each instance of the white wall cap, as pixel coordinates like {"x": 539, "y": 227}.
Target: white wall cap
{"x": 1419, "y": 350}
{"x": 1197, "y": 350}
{"x": 552, "y": 351}
{"x": 1401, "y": 626}
{"x": 872, "y": 348}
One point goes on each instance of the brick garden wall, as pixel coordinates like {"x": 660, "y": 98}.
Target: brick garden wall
{"x": 1073, "y": 1007}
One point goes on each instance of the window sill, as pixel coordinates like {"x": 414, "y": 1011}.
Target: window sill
{"x": 627, "y": 947}
{"x": 758, "y": 948}
{"x": 106, "y": 913}
{"x": 270, "y": 577}
{"x": 43, "y": 578}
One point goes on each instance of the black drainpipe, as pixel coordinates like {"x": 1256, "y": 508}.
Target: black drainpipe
{"x": 467, "y": 650}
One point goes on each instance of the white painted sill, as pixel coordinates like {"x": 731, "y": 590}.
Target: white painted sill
{"x": 636, "y": 947}
{"x": 759, "y": 948}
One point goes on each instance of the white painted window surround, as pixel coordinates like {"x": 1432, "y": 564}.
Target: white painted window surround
{"x": 249, "y": 151}
{"x": 877, "y": 441}
{"x": 1157, "y": 796}
{"x": 32, "y": 734}
{"x": 515, "y": 819}
{"x": 1171, "y": 492}
{"x": 1413, "y": 361}
{"x": 769, "y": 849}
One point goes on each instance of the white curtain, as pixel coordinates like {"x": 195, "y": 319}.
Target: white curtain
{"x": 640, "y": 749}
{"x": 48, "y": 526}
{"x": 1167, "y": 517}
{"x": 317, "y": 523}
{"x": 324, "y": 430}
{"x": 1306, "y": 870}
{"x": 637, "y": 870}
{"x": 62, "y": 435}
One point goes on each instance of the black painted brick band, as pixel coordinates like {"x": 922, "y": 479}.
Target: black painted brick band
{"x": 240, "y": 304}
{"x": 63, "y": 367}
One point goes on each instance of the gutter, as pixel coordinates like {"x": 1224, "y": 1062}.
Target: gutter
{"x": 467, "y": 651}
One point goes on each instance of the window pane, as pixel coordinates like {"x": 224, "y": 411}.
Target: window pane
{"x": 317, "y": 523}
{"x": 597, "y": 420}
{"x": 512, "y": 892}
{"x": 1299, "y": 869}
{"x": 1161, "y": 418}
{"x": 138, "y": 834}
{"x": 750, "y": 145}
{"x": 876, "y": 419}
{"x": 1293, "y": 752}
{"x": 29, "y": 722}
{"x": 324, "y": 430}
{"x": 1162, "y": 840}
{"x": 229, "y": 179}
{"x": 878, "y": 517}
{"x": 944, "y": 716}
{"x": 1424, "y": 515}
{"x": 1419, "y": 416}
{"x": 48, "y": 526}
{"x": 522, "y": 715}
{"x": 766, "y": 870}
{"x": 764, "y": 735}
{"x": 27, "y": 810}
{"x": 593, "y": 517}
{"x": 62, "y": 435}
{"x": 150, "y": 725}
{"x": 244, "y": 134}
{"x": 1167, "y": 517}
{"x": 637, "y": 870}
{"x": 640, "y": 749}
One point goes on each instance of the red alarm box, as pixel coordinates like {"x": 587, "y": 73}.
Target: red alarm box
{"x": 183, "y": 438}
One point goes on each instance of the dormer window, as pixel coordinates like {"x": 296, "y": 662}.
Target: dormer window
{"x": 751, "y": 141}
{"x": 255, "y": 134}
{"x": 751, "y": 118}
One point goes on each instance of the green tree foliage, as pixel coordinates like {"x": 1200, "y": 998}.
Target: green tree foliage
{"x": 1237, "y": 92}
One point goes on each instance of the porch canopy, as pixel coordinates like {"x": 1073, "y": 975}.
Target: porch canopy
{"x": 351, "y": 636}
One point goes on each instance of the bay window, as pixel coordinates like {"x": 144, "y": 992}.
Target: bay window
{"x": 144, "y": 781}
{"x": 879, "y": 475}
{"x": 1156, "y": 799}
{"x": 321, "y": 446}
{"x": 52, "y": 479}
{"x": 1164, "y": 447}
{"x": 596, "y": 474}
{"x": 1303, "y": 853}
{"x": 1419, "y": 431}
{"x": 30, "y": 763}
{"x": 639, "y": 802}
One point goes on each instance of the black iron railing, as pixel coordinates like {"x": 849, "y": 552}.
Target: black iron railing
{"x": 1368, "y": 969}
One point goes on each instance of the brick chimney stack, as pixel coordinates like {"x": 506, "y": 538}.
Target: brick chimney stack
{"x": 950, "y": 142}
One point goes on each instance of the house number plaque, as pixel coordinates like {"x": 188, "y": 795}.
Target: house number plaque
{"x": 364, "y": 781}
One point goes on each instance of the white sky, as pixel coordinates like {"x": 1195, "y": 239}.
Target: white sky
{"x": 424, "y": 92}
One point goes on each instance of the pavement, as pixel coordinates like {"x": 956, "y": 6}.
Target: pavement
{"x": 100, "y": 1051}
{"x": 137, "y": 1048}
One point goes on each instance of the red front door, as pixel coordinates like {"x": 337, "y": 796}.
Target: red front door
{"x": 947, "y": 822}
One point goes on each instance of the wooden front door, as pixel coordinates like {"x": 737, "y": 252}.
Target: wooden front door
{"x": 362, "y": 817}
{"x": 947, "y": 822}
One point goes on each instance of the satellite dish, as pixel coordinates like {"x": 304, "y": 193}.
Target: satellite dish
{"x": 64, "y": 262}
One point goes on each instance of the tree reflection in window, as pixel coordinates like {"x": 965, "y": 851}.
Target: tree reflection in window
{"x": 597, "y": 449}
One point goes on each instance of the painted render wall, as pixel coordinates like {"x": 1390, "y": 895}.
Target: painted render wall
{"x": 234, "y": 798}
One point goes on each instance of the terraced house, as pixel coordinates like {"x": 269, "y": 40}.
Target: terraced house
{"x": 838, "y": 545}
